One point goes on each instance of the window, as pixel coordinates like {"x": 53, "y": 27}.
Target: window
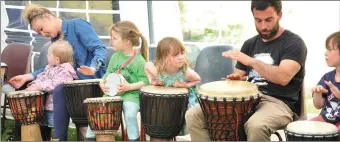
{"x": 101, "y": 15}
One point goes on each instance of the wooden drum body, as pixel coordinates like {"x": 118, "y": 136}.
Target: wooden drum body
{"x": 75, "y": 93}
{"x": 104, "y": 116}
{"x": 226, "y": 106}
{"x": 28, "y": 108}
{"x": 163, "y": 110}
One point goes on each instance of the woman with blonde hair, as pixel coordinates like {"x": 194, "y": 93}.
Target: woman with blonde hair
{"x": 89, "y": 54}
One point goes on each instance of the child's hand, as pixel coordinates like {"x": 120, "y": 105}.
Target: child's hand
{"x": 104, "y": 87}
{"x": 33, "y": 87}
{"x": 319, "y": 90}
{"x": 156, "y": 82}
{"x": 124, "y": 87}
{"x": 180, "y": 84}
{"x": 333, "y": 89}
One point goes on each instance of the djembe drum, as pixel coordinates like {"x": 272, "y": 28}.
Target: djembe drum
{"x": 311, "y": 131}
{"x": 163, "y": 110}
{"x": 28, "y": 108}
{"x": 75, "y": 93}
{"x": 226, "y": 106}
{"x": 105, "y": 116}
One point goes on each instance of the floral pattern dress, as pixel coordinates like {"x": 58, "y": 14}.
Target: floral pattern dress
{"x": 169, "y": 80}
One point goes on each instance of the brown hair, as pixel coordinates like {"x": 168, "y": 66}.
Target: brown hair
{"x": 335, "y": 37}
{"x": 63, "y": 50}
{"x": 34, "y": 11}
{"x": 129, "y": 31}
{"x": 167, "y": 47}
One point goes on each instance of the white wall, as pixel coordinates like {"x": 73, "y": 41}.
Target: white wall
{"x": 136, "y": 12}
{"x": 167, "y": 22}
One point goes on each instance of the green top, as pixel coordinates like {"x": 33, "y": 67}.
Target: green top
{"x": 133, "y": 72}
{"x": 169, "y": 80}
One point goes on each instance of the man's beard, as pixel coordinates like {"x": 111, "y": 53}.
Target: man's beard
{"x": 272, "y": 32}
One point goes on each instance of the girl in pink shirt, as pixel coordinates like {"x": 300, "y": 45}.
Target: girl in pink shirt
{"x": 59, "y": 69}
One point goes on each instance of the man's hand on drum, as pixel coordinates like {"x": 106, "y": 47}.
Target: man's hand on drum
{"x": 86, "y": 70}
{"x": 235, "y": 76}
{"x": 180, "y": 84}
{"x": 239, "y": 56}
{"x": 104, "y": 87}
{"x": 20, "y": 80}
{"x": 124, "y": 87}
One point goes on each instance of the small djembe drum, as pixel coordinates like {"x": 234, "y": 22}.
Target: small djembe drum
{"x": 76, "y": 92}
{"x": 163, "y": 110}
{"x": 226, "y": 105}
{"x": 311, "y": 131}
{"x": 105, "y": 116}
{"x": 28, "y": 108}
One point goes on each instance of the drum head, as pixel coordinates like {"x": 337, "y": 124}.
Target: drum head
{"x": 112, "y": 81}
{"x": 3, "y": 64}
{"x": 164, "y": 90}
{"x": 20, "y": 94}
{"x": 103, "y": 99}
{"x": 312, "y": 127}
{"x": 82, "y": 81}
{"x": 229, "y": 89}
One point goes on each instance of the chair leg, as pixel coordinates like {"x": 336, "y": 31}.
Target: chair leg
{"x": 126, "y": 137}
{"x": 3, "y": 117}
{"x": 278, "y": 135}
{"x": 174, "y": 139}
{"x": 142, "y": 133}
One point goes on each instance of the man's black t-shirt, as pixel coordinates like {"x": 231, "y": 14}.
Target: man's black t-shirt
{"x": 287, "y": 46}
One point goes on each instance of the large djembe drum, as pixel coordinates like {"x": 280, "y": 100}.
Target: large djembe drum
{"x": 28, "y": 108}
{"x": 76, "y": 92}
{"x": 163, "y": 110}
{"x": 311, "y": 131}
{"x": 226, "y": 106}
{"x": 105, "y": 116}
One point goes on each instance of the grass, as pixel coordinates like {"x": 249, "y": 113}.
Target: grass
{"x": 71, "y": 135}
{"x": 309, "y": 103}
{"x": 9, "y": 125}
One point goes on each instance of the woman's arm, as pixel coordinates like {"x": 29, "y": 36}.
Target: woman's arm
{"x": 91, "y": 41}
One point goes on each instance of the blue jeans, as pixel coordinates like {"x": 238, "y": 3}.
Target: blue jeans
{"x": 61, "y": 118}
{"x": 130, "y": 110}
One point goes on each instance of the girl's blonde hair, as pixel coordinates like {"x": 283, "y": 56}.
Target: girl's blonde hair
{"x": 129, "y": 31}
{"x": 167, "y": 47}
{"x": 63, "y": 50}
{"x": 33, "y": 12}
